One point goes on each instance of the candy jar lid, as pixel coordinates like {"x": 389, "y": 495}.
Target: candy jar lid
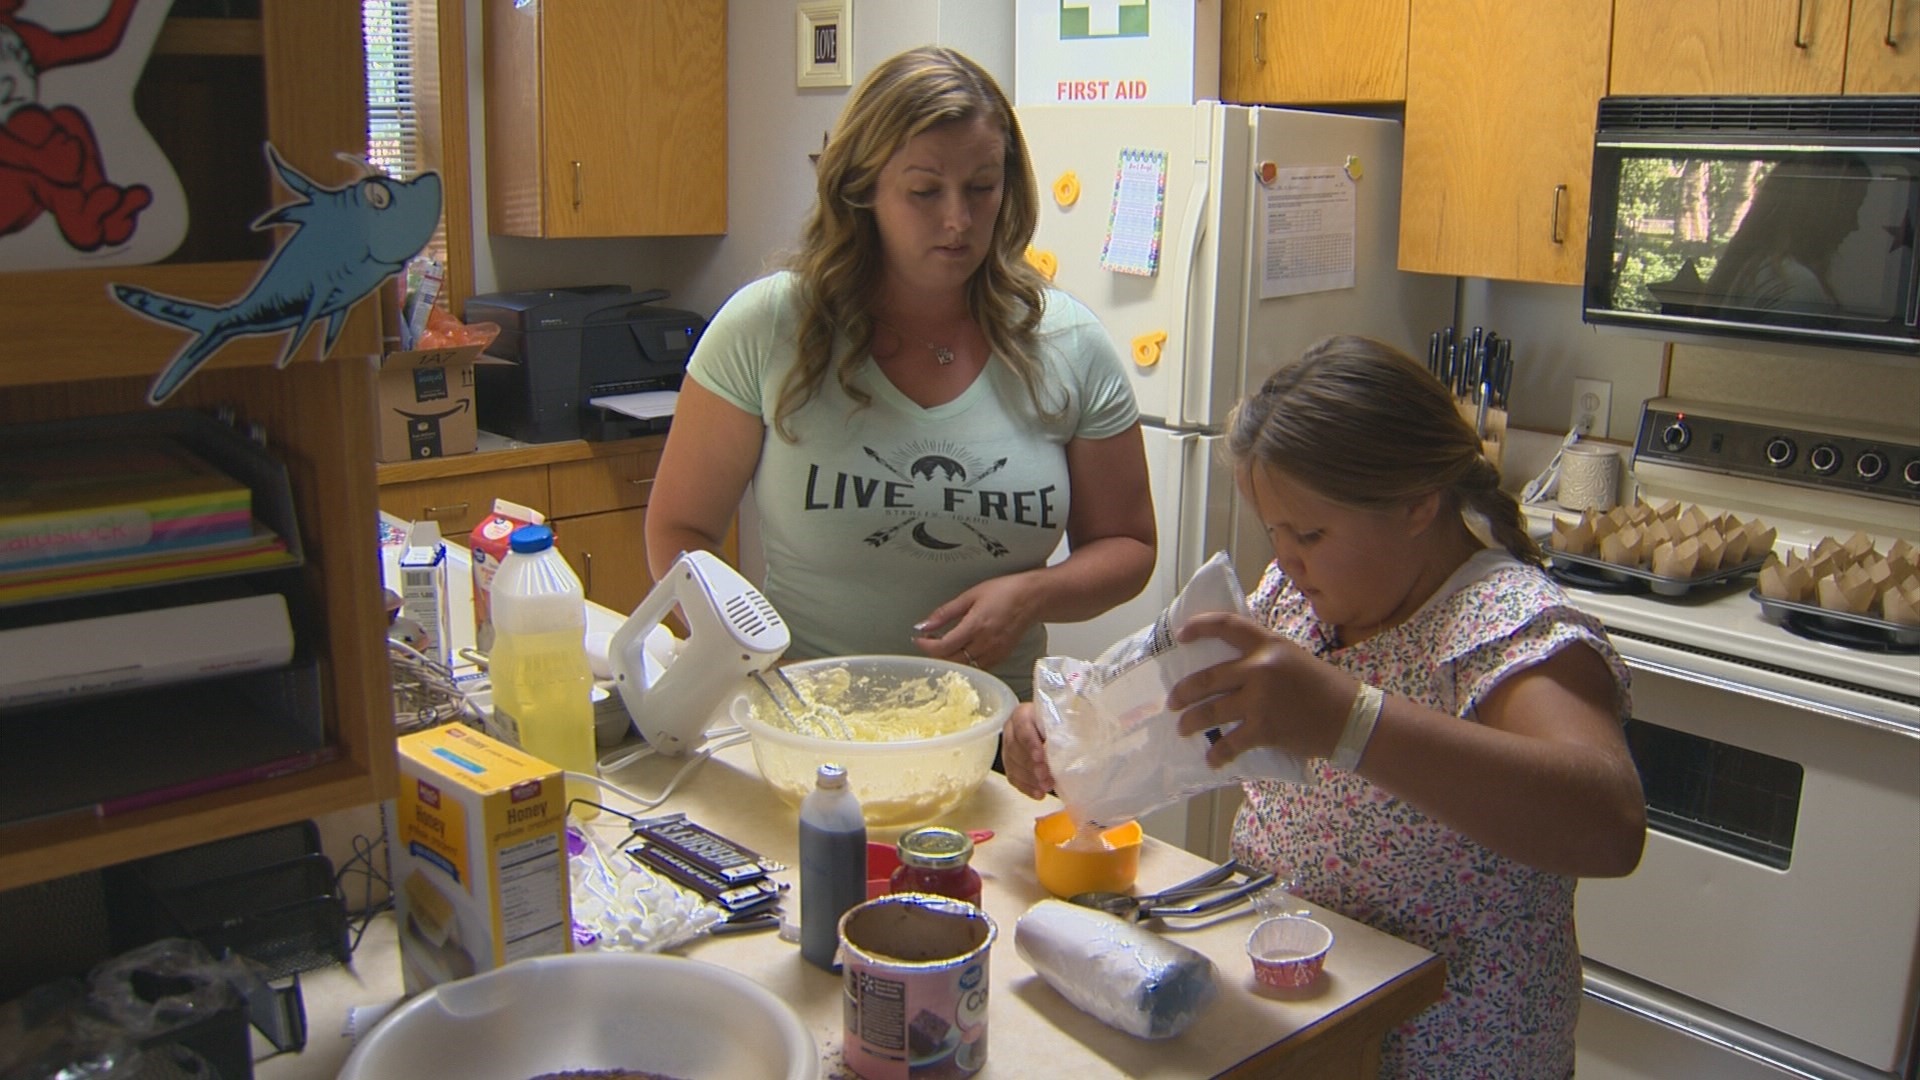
{"x": 935, "y": 847}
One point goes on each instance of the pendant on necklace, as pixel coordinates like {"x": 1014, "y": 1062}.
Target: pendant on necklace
{"x": 942, "y": 354}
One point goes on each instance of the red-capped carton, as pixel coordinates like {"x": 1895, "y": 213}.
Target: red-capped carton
{"x": 488, "y": 543}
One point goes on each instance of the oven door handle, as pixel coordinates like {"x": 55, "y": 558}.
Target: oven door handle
{"x": 1658, "y": 1005}
{"x": 1792, "y": 701}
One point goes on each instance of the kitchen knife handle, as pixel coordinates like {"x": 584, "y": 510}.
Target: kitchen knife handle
{"x": 1800, "y": 25}
{"x": 1260, "y": 34}
{"x": 1893, "y": 7}
{"x": 579, "y": 188}
{"x": 1559, "y": 234}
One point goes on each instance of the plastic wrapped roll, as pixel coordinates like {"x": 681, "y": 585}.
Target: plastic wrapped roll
{"x": 1126, "y": 977}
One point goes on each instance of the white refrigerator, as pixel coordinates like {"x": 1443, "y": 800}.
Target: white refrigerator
{"x": 1242, "y": 234}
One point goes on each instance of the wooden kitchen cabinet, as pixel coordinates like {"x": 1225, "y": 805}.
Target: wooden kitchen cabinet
{"x": 1313, "y": 51}
{"x": 71, "y": 351}
{"x": 1766, "y": 47}
{"x": 606, "y": 117}
{"x": 458, "y": 503}
{"x": 609, "y": 554}
{"x": 1883, "y": 47}
{"x": 1729, "y": 47}
{"x": 593, "y": 493}
{"x": 1501, "y": 97}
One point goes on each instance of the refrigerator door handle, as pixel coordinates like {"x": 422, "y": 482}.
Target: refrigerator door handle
{"x": 1193, "y": 228}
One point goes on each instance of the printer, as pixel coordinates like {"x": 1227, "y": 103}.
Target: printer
{"x": 569, "y": 346}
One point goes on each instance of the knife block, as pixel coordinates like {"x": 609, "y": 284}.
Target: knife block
{"x": 1493, "y": 441}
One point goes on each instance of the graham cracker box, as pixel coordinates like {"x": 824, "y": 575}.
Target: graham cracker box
{"x": 426, "y": 407}
{"x": 479, "y": 856}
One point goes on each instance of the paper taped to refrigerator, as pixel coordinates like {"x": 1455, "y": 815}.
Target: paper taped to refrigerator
{"x": 1308, "y": 217}
{"x": 1134, "y": 221}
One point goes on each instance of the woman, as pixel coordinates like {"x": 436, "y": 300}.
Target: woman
{"x": 1463, "y": 719}
{"x": 919, "y": 417}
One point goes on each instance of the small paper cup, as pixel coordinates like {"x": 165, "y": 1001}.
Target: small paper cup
{"x": 1288, "y": 951}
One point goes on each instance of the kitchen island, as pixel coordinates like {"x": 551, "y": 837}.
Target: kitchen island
{"x": 1372, "y": 981}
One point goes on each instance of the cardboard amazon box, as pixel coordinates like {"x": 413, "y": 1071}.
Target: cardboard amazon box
{"x": 426, "y": 405}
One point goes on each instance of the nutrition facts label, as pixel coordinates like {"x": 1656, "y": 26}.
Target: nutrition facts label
{"x": 532, "y": 916}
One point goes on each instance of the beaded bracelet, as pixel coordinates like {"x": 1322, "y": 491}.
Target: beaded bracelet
{"x": 1359, "y": 729}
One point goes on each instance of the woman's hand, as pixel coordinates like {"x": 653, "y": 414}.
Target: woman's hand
{"x": 983, "y": 625}
{"x": 1023, "y": 752}
{"x": 1275, "y": 694}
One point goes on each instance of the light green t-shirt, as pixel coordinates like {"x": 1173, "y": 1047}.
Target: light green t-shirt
{"x": 873, "y": 516}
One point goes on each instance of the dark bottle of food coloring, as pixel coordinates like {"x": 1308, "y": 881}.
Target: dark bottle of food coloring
{"x": 833, "y": 864}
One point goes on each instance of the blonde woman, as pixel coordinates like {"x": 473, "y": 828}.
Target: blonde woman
{"x": 918, "y": 417}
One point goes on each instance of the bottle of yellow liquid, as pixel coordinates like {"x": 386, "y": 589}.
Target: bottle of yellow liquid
{"x": 542, "y": 684}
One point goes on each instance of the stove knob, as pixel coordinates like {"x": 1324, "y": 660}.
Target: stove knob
{"x": 1911, "y": 474}
{"x": 1676, "y": 436}
{"x": 1871, "y": 465}
{"x": 1780, "y": 451}
{"x": 1825, "y": 459}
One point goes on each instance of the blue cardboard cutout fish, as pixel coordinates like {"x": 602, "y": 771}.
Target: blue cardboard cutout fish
{"x": 345, "y": 242}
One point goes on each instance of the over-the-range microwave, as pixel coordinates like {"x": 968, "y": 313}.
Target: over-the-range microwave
{"x": 1779, "y": 219}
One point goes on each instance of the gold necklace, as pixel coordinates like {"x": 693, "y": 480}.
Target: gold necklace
{"x": 942, "y": 354}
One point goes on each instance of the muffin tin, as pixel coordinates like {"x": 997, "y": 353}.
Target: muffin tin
{"x": 1589, "y": 571}
{"x": 1838, "y": 627}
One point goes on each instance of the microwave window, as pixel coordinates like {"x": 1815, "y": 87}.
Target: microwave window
{"x": 1819, "y": 237}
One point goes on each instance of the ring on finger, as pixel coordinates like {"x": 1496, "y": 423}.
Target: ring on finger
{"x": 968, "y": 653}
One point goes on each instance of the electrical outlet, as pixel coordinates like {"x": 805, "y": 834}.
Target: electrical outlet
{"x": 1592, "y": 404}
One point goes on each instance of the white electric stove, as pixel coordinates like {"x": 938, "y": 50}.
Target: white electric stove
{"x": 1771, "y": 923}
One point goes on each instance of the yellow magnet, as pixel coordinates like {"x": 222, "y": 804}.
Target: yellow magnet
{"x": 1146, "y": 348}
{"x": 1066, "y": 190}
{"x": 1355, "y": 170}
{"x": 1043, "y": 261}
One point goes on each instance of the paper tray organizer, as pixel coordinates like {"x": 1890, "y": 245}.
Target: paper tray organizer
{"x": 105, "y": 752}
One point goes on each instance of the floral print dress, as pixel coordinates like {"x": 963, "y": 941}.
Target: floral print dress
{"x": 1504, "y": 929}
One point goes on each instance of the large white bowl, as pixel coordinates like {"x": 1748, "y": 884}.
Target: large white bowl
{"x": 637, "y": 1011}
{"x": 900, "y": 782}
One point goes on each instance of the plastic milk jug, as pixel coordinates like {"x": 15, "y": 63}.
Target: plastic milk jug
{"x": 542, "y": 684}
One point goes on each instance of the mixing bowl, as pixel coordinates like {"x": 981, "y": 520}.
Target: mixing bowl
{"x": 641, "y": 1012}
{"x": 901, "y": 774}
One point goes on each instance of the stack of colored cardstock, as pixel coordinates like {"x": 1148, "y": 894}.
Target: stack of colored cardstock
{"x": 100, "y": 514}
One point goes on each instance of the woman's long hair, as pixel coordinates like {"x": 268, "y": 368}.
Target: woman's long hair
{"x": 840, "y": 261}
{"x": 1361, "y": 424}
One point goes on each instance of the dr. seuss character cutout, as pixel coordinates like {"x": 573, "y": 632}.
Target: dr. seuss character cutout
{"x": 82, "y": 182}
{"x": 345, "y": 242}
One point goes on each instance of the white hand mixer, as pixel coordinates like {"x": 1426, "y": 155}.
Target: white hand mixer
{"x": 673, "y": 687}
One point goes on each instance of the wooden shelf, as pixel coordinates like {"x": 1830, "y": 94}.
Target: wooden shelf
{"x": 515, "y": 456}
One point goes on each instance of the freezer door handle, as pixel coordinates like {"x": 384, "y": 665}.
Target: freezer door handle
{"x": 1193, "y": 227}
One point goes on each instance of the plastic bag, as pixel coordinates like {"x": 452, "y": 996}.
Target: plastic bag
{"x": 621, "y": 906}
{"x": 1121, "y": 975}
{"x": 1112, "y": 744}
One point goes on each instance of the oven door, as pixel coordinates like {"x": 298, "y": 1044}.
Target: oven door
{"x": 1781, "y": 880}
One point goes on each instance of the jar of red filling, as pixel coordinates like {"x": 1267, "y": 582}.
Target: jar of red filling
{"x": 934, "y": 859}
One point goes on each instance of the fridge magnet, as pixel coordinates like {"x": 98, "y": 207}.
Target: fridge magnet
{"x": 1133, "y": 225}
{"x": 1066, "y": 189}
{"x": 1146, "y": 348}
{"x": 82, "y": 181}
{"x": 344, "y": 242}
{"x": 1043, "y": 261}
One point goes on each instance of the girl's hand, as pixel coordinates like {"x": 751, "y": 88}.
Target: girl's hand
{"x": 1023, "y": 752}
{"x": 1275, "y": 694}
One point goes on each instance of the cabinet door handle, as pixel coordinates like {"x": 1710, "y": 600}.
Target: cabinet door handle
{"x": 579, "y": 188}
{"x": 1892, "y": 7}
{"x": 1559, "y": 196}
{"x": 586, "y": 564}
{"x": 1800, "y": 25}
{"x": 435, "y": 513}
{"x": 1259, "y": 39}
